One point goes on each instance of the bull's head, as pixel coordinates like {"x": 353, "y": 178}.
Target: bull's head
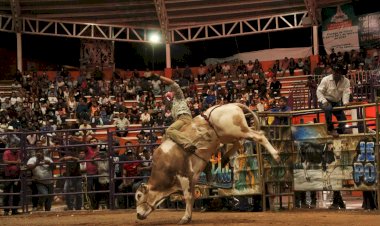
{"x": 147, "y": 201}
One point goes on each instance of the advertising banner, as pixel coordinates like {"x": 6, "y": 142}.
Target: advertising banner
{"x": 340, "y": 29}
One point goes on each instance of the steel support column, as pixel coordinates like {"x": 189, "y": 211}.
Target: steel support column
{"x": 168, "y": 56}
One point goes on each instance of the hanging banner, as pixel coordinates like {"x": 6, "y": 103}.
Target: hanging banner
{"x": 369, "y": 30}
{"x": 323, "y": 163}
{"x": 340, "y": 29}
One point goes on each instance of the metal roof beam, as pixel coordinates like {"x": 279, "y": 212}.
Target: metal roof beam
{"x": 122, "y": 20}
{"x": 91, "y": 14}
{"x": 226, "y": 12}
{"x": 222, "y": 4}
{"x": 162, "y": 18}
{"x": 84, "y": 6}
{"x": 84, "y": 30}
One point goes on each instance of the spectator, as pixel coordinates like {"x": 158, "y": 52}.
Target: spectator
{"x": 284, "y": 65}
{"x": 156, "y": 86}
{"x": 201, "y": 73}
{"x": 73, "y": 201}
{"x": 257, "y": 66}
{"x": 292, "y": 66}
{"x": 130, "y": 169}
{"x": 122, "y": 125}
{"x": 249, "y": 68}
{"x": 187, "y": 74}
{"x": 306, "y": 67}
{"x": 145, "y": 167}
{"x": 145, "y": 118}
{"x": 226, "y": 69}
{"x": 85, "y": 131}
{"x": 97, "y": 74}
{"x": 83, "y": 110}
{"x": 42, "y": 169}
{"x": 300, "y": 63}
{"x": 96, "y": 120}
{"x": 312, "y": 86}
{"x": 91, "y": 170}
{"x": 102, "y": 163}
{"x": 12, "y": 160}
{"x": 275, "y": 87}
{"x": 276, "y": 67}
{"x": 282, "y": 107}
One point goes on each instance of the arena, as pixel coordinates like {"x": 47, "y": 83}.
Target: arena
{"x": 284, "y": 135}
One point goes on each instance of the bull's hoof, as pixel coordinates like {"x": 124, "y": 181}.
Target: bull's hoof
{"x": 185, "y": 220}
{"x": 308, "y": 179}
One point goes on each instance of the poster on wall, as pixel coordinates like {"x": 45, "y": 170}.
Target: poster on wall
{"x": 369, "y": 30}
{"x": 340, "y": 29}
{"x": 343, "y": 163}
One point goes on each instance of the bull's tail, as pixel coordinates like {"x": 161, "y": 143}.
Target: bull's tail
{"x": 256, "y": 119}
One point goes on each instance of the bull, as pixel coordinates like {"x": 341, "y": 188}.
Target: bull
{"x": 174, "y": 170}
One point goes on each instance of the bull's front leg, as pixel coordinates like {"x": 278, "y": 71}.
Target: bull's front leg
{"x": 258, "y": 136}
{"x": 188, "y": 189}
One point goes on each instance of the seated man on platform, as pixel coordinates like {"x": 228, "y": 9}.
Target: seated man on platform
{"x": 333, "y": 91}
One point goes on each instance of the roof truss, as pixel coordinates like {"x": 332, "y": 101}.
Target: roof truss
{"x": 130, "y": 34}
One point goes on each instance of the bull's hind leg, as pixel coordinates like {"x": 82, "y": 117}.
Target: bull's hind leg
{"x": 259, "y": 137}
{"x": 187, "y": 187}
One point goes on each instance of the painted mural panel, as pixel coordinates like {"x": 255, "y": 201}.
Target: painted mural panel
{"x": 240, "y": 177}
{"x": 246, "y": 174}
{"x": 325, "y": 163}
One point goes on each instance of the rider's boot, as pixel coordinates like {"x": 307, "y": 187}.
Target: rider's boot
{"x": 190, "y": 148}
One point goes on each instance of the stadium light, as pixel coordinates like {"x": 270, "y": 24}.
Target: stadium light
{"x": 154, "y": 38}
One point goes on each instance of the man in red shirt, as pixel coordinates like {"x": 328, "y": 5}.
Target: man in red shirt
{"x": 131, "y": 169}
{"x": 91, "y": 170}
{"x": 11, "y": 157}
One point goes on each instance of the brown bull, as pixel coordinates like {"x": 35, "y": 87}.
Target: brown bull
{"x": 175, "y": 170}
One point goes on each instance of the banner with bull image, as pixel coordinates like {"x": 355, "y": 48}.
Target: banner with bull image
{"x": 344, "y": 163}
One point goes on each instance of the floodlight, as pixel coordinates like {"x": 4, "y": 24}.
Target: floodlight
{"x": 154, "y": 38}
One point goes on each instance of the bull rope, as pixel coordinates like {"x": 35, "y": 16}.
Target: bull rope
{"x": 207, "y": 118}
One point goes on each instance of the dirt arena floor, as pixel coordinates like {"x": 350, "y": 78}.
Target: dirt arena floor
{"x": 171, "y": 217}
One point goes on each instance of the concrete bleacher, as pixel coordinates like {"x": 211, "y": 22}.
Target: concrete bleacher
{"x": 7, "y": 87}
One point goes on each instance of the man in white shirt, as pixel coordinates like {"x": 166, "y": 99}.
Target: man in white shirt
{"x": 333, "y": 91}
{"x": 85, "y": 130}
{"x": 122, "y": 125}
{"x": 42, "y": 168}
{"x": 145, "y": 118}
